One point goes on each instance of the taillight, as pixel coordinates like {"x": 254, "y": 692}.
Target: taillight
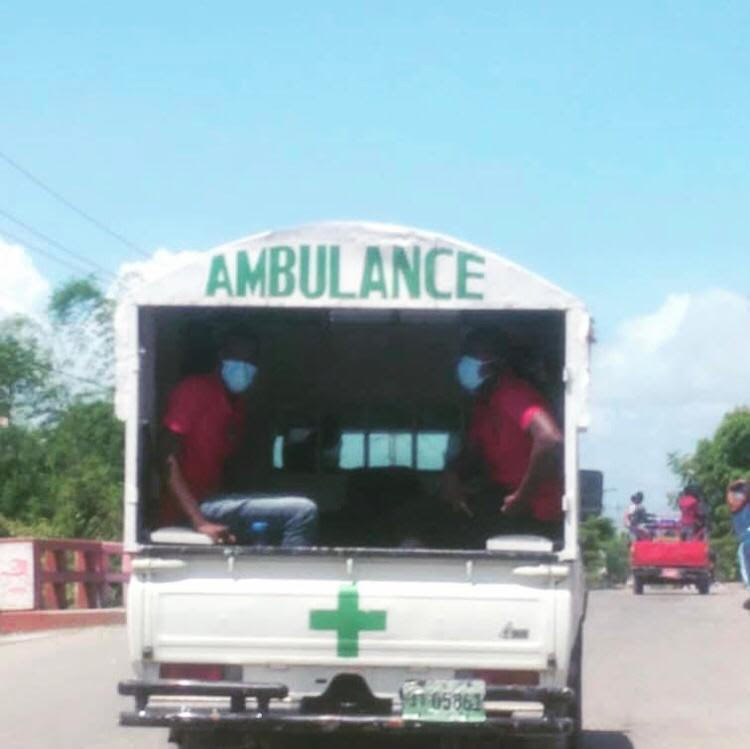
{"x": 498, "y": 677}
{"x": 196, "y": 671}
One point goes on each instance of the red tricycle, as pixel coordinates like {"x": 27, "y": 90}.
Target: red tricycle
{"x": 663, "y": 554}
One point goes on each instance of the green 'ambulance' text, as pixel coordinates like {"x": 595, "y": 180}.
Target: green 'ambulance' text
{"x": 315, "y": 273}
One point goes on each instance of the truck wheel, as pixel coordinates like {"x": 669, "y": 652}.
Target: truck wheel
{"x": 703, "y": 586}
{"x": 207, "y": 740}
{"x": 637, "y": 586}
{"x": 193, "y": 740}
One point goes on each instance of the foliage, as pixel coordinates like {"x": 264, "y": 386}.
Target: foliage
{"x": 83, "y": 342}
{"x": 715, "y": 462}
{"x": 617, "y": 558}
{"x": 64, "y": 479}
{"x": 84, "y": 458}
{"x": 22, "y": 465}
{"x": 605, "y": 552}
{"x": 26, "y": 390}
{"x": 61, "y": 453}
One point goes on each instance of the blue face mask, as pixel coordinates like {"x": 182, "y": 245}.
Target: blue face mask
{"x": 237, "y": 375}
{"x": 469, "y": 374}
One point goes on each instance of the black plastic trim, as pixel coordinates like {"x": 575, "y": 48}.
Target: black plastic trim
{"x": 545, "y": 726}
{"x": 160, "y": 550}
{"x": 238, "y": 692}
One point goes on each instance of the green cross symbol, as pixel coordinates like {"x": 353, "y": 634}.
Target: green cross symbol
{"x": 348, "y": 621}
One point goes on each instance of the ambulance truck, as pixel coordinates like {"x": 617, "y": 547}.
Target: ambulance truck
{"x": 371, "y": 634}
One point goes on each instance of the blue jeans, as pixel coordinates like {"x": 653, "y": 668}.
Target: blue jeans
{"x": 291, "y": 520}
{"x": 741, "y": 525}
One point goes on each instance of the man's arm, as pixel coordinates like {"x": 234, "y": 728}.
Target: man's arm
{"x": 178, "y": 486}
{"x": 544, "y": 460}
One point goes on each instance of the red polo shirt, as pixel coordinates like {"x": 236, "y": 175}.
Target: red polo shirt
{"x": 689, "y": 509}
{"x": 499, "y": 429}
{"x": 211, "y": 424}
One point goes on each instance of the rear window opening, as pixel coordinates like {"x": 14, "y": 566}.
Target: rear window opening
{"x": 357, "y": 410}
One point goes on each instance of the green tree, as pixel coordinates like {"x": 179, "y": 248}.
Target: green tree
{"x": 606, "y": 553}
{"x": 61, "y": 453}
{"x": 715, "y": 462}
{"x": 26, "y": 391}
{"x": 617, "y": 558}
{"x": 82, "y": 321}
{"x": 84, "y": 455}
{"x": 23, "y": 470}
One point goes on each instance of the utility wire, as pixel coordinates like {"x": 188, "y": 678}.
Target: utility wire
{"x": 41, "y": 251}
{"x": 99, "y": 225}
{"x": 55, "y": 243}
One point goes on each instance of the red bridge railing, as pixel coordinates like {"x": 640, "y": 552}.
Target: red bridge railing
{"x": 55, "y": 574}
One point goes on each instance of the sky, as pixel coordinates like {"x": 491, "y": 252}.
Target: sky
{"x": 603, "y": 146}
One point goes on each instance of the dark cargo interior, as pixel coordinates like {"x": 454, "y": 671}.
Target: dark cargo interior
{"x": 355, "y": 409}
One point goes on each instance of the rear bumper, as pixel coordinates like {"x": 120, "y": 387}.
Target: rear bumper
{"x": 269, "y": 713}
{"x": 671, "y": 574}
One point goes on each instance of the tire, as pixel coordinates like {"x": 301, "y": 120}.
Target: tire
{"x": 637, "y": 586}
{"x": 703, "y": 586}
{"x": 193, "y": 740}
{"x": 209, "y": 740}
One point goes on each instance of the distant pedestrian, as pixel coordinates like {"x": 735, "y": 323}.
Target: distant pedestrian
{"x": 738, "y": 499}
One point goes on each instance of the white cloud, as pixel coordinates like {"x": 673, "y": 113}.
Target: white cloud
{"x": 23, "y": 289}
{"x": 663, "y": 383}
{"x": 160, "y": 265}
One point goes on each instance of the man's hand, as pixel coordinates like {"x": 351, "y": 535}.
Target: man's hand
{"x": 512, "y": 504}
{"x": 452, "y": 493}
{"x": 219, "y": 534}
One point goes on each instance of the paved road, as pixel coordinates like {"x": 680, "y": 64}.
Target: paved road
{"x": 666, "y": 670}
{"x": 662, "y": 670}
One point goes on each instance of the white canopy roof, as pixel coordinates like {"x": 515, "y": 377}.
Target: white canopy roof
{"x": 353, "y": 264}
{"x": 340, "y": 264}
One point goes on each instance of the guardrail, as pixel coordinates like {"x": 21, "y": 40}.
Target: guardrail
{"x": 61, "y": 574}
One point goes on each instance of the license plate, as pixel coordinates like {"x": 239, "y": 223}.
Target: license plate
{"x": 444, "y": 700}
{"x": 671, "y": 574}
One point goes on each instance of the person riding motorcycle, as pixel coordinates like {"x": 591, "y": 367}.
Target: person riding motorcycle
{"x": 636, "y": 517}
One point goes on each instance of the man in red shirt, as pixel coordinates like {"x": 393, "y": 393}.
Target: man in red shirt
{"x": 692, "y": 514}
{"x": 204, "y": 426}
{"x": 514, "y": 437}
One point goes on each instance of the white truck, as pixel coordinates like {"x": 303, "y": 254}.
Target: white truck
{"x": 369, "y": 633}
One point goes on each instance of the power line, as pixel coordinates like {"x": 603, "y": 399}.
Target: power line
{"x": 55, "y": 243}
{"x": 95, "y": 222}
{"x": 41, "y": 251}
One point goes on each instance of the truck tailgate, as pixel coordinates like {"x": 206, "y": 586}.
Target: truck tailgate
{"x": 332, "y": 610}
{"x": 669, "y": 554}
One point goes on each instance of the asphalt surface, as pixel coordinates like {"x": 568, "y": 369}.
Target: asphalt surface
{"x": 666, "y": 669}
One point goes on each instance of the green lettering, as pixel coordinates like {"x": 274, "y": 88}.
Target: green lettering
{"x": 218, "y": 277}
{"x": 281, "y": 276}
{"x": 406, "y": 271}
{"x": 249, "y": 277}
{"x": 336, "y": 292}
{"x": 430, "y": 272}
{"x": 463, "y": 274}
{"x": 304, "y": 271}
{"x": 373, "y": 275}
